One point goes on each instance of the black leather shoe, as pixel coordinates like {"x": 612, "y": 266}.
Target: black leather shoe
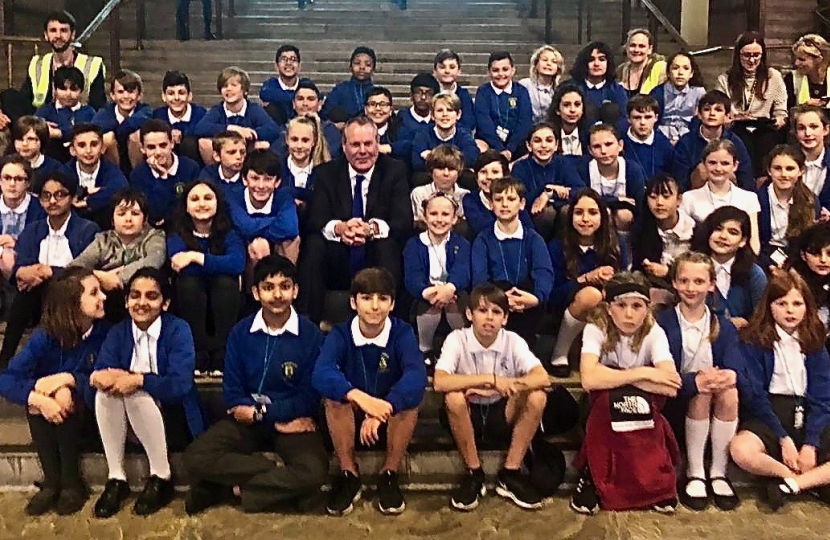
{"x": 71, "y": 500}
{"x": 204, "y": 495}
{"x": 42, "y": 501}
{"x": 156, "y": 495}
{"x": 560, "y": 371}
{"x": 113, "y": 497}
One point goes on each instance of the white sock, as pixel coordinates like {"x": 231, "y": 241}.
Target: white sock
{"x": 147, "y": 423}
{"x": 722, "y": 434}
{"x": 790, "y": 483}
{"x": 697, "y": 432}
{"x": 427, "y": 325}
{"x": 455, "y": 318}
{"x": 112, "y": 424}
{"x": 568, "y": 330}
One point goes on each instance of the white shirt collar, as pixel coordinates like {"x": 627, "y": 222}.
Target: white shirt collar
{"x": 171, "y": 171}
{"x": 786, "y": 339}
{"x": 475, "y": 346}
{"x": 39, "y": 161}
{"x": 154, "y": 330}
{"x": 367, "y": 174}
{"x": 726, "y": 266}
{"x": 383, "y": 129}
{"x": 285, "y": 87}
{"x": 232, "y": 179}
{"x": 21, "y": 209}
{"x": 380, "y": 340}
{"x": 683, "y": 229}
{"x": 93, "y": 175}
{"x": 425, "y": 240}
{"x": 701, "y": 325}
{"x": 120, "y": 117}
{"x": 296, "y": 169}
{"x": 819, "y": 161}
{"x": 266, "y": 209}
{"x": 188, "y": 112}
{"x": 597, "y": 86}
{"x": 585, "y": 249}
{"x": 74, "y": 108}
{"x": 518, "y": 234}
{"x": 773, "y": 199}
{"x": 452, "y": 90}
{"x": 498, "y": 91}
{"x": 484, "y": 200}
{"x": 444, "y": 139}
{"x": 418, "y": 117}
{"x": 62, "y": 230}
{"x": 292, "y": 325}
{"x": 648, "y": 142}
{"x": 241, "y": 112}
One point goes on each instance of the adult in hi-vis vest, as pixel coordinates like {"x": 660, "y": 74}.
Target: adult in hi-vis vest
{"x": 59, "y": 32}
{"x": 808, "y": 83}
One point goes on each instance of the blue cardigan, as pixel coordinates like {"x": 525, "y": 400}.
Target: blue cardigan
{"x": 426, "y": 139}
{"x": 513, "y": 260}
{"x": 43, "y": 356}
{"x": 513, "y": 112}
{"x": 688, "y": 153}
{"x": 110, "y": 179}
{"x": 560, "y": 171}
{"x": 289, "y": 184}
{"x": 229, "y": 189}
{"x": 399, "y": 379}
{"x": 481, "y": 218}
{"x": 176, "y": 357}
{"x": 652, "y": 158}
{"x": 350, "y": 96}
{"x": 279, "y": 367}
{"x": 760, "y": 364}
{"x": 281, "y": 224}
{"x": 229, "y": 263}
{"x": 163, "y": 193}
{"x": 216, "y": 121}
{"x": 197, "y": 112}
{"x": 79, "y": 231}
{"x": 635, "y": 181}
{"x": 271, "y": 92}
{"x": 65, "y": 118}
{"x": 743, "y": 297}
{"x": 416, "y": 264}
{"x": 725, "y": 351}
{"x": 563, "y": 285}
{"x": 105, "y": 118}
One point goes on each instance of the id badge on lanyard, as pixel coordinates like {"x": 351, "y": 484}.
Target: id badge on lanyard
{"x": 798, "y": 416}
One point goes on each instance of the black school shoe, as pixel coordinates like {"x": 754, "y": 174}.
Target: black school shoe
{"x": 585, "y": 499}
{"x": 724, "y": 502}
{"x": 157, "y": 494}
{"x": 345, "y": 491}
{"x": 698, "y": 504}
{"x": 777, "y": 493}
{"x": 465, "y": 497}
{"x": 515, "y": 486}
{"x": 113, "y": 497}
{"x": 203, "y": 495}
{"x": 71, "y": 500}
{"x": 390, "y": 498}
{"x": 42, "y": 501}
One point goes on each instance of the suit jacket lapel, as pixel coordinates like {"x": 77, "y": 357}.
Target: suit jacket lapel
{"x": 344, "y": 188}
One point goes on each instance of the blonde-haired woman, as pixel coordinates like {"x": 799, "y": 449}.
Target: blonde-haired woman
{"x": 808, "y": 83}
{"x": 546, "y": 67}
{"x": 643, "y": 70}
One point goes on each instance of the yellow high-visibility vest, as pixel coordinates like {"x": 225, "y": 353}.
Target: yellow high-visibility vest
{"x": 40, "y": 68}
{"x": 801, "y": 86}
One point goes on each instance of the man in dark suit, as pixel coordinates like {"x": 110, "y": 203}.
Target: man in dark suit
{"x": 360, "y": 216}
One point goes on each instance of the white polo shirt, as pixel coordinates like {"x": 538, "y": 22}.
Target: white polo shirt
{"x": 654, "y": 349}
{"x": 699, "y": 203}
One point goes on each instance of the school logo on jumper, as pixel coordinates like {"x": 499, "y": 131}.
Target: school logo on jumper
{"x": 288, "y": 369}
{"x": 512, "y": 102}
{"x": 179, "y": 189}
{"x": 383, "y": 363}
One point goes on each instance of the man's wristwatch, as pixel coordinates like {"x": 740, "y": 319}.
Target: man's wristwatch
{"x": 260, "y": 410}
{"x": 374, "y": 229}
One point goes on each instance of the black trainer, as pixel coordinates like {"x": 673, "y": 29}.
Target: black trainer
{"x": 42, "y": 501}
{"x": 465, "y": 497}
{"x": 585, "y": 499}
{"x": 157, "y": 494}
{"x": 113, "y": 497}
{"x": 345, "y": 491}
{"x": 390, "y": 498}
{"x": 71, "y": 500}
{"x": 515, "y": 486}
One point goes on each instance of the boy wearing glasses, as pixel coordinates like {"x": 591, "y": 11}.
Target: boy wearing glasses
{"x": 17, "y": 207}
{"x": 44, "y": 249}
{"x": 394, "y": 139}
{"x": 277, "y": 93}
{"x": 346, "y": 99}
{"x": 422, "y": 89}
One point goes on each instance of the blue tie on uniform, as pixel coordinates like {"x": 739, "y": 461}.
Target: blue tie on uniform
{"x": 357, "y": 254}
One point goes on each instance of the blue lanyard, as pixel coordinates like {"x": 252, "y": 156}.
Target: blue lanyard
{"x": 266, "y": 363}
{"x": 504, "y": 119}
{"x": 518, "y": 266}
{"x": 374, "y": 388}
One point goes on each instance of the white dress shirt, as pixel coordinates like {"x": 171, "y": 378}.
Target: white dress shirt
{"x": 613, "y": 187}
{"x": 54, "y": 249}
{"x": 779, "y": 217}
{"x": 789, "y": 375}
{"x": 383, "y": 227}
{"x": 300, "y": 173}
{"x": 571, "y": 145}
{"x": 723, "y": 276}
{"x": 87, "y": 180}
{"x": 145, "y": 350}
{"x": 242, "y": 111}
{"x": 697, "y": 349}
{"x": 172, "y": 171}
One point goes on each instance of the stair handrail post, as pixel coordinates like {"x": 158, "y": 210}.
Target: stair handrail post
{"x": 548, "y": 21}
{"x": 141, "y": 23}
{"x": 580, "y": 15}
{"x": 115, "y": 39}
{"x": 231, "y": 8}
{"x": 626, "y": 20}
{"x": 9, "y": 60}
{"x": 589, "y": 29}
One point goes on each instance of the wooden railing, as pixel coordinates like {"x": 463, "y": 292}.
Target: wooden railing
{"x": 9, "y": 43}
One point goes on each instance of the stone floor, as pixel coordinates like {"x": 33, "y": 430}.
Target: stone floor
{"x": 426, "y": 517}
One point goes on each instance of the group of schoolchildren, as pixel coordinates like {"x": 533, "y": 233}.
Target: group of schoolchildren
{"x": 521, "y": 223}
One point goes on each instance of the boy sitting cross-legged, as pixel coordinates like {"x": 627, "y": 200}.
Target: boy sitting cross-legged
{"x": 493, "y": 383}
{"x": 372, "y": 378}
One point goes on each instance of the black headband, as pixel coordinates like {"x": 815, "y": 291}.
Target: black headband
{"x": 614, "y": 291}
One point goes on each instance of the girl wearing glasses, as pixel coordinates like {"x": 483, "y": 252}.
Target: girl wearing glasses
{"x": 17, "y": 207}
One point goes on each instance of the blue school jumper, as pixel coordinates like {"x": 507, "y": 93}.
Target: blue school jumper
{"x": 399, "y": 137}
{"x": 79, "y": 232}
{"x": 175, "y": 362}
{"x": 513, "y": 112}
{"x": 39, "y": 175}
{"x": 272, "y": 92}
{"x": 743, "y": 297}
{"x": 410, "y": 123}
{"x": 688, "y": 153}
{"x": 231, "y": 262}
{"x": 110, "y": 179}
{"x": 105, "y": 118}
{"x": 163, "y": 193}
{"x": 65, "y": 117}
{"x": 611, "y": 92}
{"x": 560, "y": 171}
{"x": 635, "y": 181}
{"x": 229, "y": 189}
{"x": 332, "y": 135}
{"x": 652, "y": 158}
{"x": 288, "y": 183}
{"x": 279, "y": 367}
{"x": 281, "y": 224}
{"x": 416, "y": 264}
{"x": 395, "y": 373}
{"x": 765, "y": 215}
{"x": 513, "y": 261}
{"x": 563, "y": 286}
{"x": 760, "y": 364}
{"x": 480, "y": 218}
{"x": 43, "y": 356}
{"x": 427, "y": 139}
{"x": 197, "y": 112}
{"x": 349, "y": 96}
{"x": 216, "y": 121}
{"x": 725, "y": 350}
{"x": 468, "y": 111}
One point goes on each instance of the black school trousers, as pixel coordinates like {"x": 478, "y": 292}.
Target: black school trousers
{"x": 25, "y": 311}
{"x": 58, "y": 449}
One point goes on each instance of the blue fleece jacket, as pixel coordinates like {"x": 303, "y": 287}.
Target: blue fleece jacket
{"x": 560, "y": 171}
{"x": 514, "y": 261}
{"x": 480, "y": 218}
{"x": 231, "y": 262}
{"x": 65, "y": 118}
{"x": 652, "y": 158}
{"x": 43, "y": 356}
{"x": 395, "y": 373}
{"x": 216, "y": 121}
{"x": 281, "y": 224}
{"x": 688, "y": 153}
{"x": 229, "y": 189}
{"x": 427, "y": 139}
{"x": 175, "y": 360}
{"x": 79, "y": 232}
{"x": 106, "y": 119}
{"x": 350, "y": 96}
{"x": 416, "y": 264}
{"x": 635, "y": 181}
{"x": 197, "y": 112}
{"x": 279, "y": 367}
{"x": 760, "y": 365}
{"x": 513, "y": 112}
{"x": 110, "y": 179}
{"x": 163, "y": 193}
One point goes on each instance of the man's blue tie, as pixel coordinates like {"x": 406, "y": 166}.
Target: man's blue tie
{"x": 357, "y": 254}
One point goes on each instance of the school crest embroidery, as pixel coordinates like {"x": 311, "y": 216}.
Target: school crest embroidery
{"x": 179, "y": 189}
{"x": 288, "y": 369}
{"x": 512, "y": 102}
{"x": 383, "y": 363}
